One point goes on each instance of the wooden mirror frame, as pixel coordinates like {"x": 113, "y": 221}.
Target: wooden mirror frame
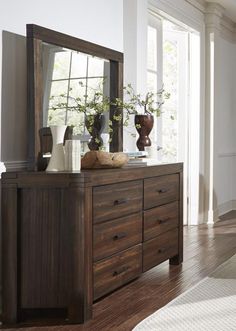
{"x": 36, "y": 35}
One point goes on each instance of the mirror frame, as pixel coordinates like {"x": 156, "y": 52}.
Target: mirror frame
{"x": 36, "y": 35}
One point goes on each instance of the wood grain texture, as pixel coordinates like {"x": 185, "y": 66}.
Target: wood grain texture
{"x": 116, "y": 90}
{"x": 36, "y": 35}
{"x": 116, "y": 200}
{"x": 42, "y": 234}
{"x": 161, "y": 190}
{"x": 114, "y": 236}
{"x": 160, "y": 219}
{"x": 58, "y": 215}
{"x": 159, "y": 249}
{"x": 58, "y": 38}
{"x": 205, "y": 248}
{"x": 9, "y": 254}
{"x": 80, "y": 212}
{"x": 92, "y": 177}
{"x": 103, "y": 177}
{"x": 34, "y": 100}
{"x": 175, "y": 260}
{"x": 117, "y": 270}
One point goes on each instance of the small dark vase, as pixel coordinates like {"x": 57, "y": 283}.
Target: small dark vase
{"x": 95, "y": 125}
{"x": 145, "y": 125}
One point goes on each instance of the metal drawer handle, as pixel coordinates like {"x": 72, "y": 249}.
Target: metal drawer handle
{"x": 162, "y": 190}
{"x": 121, "y": 271}
{"x": 119, "y": 236}
{"x": 164, "y": 220}
{"x": 120, "y": 202}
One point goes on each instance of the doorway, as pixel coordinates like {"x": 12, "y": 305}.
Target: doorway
{"x": 174, "y": 63}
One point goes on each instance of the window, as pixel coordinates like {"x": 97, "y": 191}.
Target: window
{"x": 69, "y": 75}
{"x": 174, "y": 62}
{"x": 168, "y": 67}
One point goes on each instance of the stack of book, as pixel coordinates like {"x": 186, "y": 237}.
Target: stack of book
{"x": 137, "y": 158}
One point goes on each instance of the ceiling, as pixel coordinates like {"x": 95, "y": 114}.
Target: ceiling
{"x": 229, "y": 5}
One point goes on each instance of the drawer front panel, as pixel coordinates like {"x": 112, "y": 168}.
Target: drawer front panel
{"x": 117, "y": 200}
{"x": 160, "y": 219}
{"x": 160, "y": 190}
{"x": 113, "y": 272}
{"x": 114, "y": 236}
{"x": 159, "y": 249}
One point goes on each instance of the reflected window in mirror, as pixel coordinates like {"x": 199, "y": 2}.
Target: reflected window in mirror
{"x": 67, "y": 75}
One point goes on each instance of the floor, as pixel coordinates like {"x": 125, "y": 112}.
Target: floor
{"x": 205, "y": 248}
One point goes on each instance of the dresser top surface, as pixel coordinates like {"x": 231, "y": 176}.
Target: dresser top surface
{"x": 94, "y": 176}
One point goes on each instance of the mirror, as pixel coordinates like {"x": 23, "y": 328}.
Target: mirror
{"x": 62, "y": 68}
{"x": 67, "y": 75}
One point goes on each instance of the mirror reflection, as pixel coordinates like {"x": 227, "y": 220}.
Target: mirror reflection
{"x": 67, "y": 75}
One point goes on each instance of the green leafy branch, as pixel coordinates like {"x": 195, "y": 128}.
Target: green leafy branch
{"x": 135, "y": 104}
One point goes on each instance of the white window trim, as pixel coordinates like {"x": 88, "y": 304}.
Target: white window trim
{"x": 194, "y": 19}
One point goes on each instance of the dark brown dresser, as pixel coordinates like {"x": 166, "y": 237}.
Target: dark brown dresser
{"x": 71, "y": 238}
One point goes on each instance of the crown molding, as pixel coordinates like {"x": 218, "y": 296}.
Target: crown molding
{"x": 186, "y": 11}
{"x": 217, "y": 20}
{"x": 213, "y": 15}
{"x": 228, "y": 24}
{"x": 199, "y": 4}
{"x": 228, "y": 29}
{"x": 214, "y": 9}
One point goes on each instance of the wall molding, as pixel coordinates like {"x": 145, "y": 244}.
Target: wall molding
{"x": 2, "y": 167}
{"x": 16, "y": 165}
{"x": 233, "y": 204}
{"x": 217, "y": 20}
{"x": 198, "y": 4}
{"x": 223, "y": 209}
{"x": 215, "y": 15}
{"x": 227, "y": 154}
{"x": 183, "y": 11}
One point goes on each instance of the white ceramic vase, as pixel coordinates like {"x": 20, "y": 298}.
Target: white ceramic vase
{"x": 57, "y": 160}
{"x": 72, "y": 155}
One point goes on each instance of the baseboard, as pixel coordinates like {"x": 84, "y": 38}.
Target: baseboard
{"x": 223, "y": 209}
{"x": 16, "y": 165}
{"x": 215, "y": 217}
{"x": 233, "y": 204}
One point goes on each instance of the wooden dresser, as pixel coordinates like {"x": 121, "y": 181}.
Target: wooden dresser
{"x": 71, "y": 238}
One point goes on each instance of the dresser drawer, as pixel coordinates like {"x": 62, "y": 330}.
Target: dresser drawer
{"x": 160, "y": 249}
{"x": 160, "y": 190}
{"x": 114, "y": 236}
{"x": 117, "y": 200}
{"x": 113, "y": 272}
{"x": 160, "y": 219}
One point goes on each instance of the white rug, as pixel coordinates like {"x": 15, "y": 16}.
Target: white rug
{"x": 208, "y": 306}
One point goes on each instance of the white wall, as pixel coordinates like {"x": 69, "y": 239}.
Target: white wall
{"x": 224, "y": 128}
{"x": 96, "y": 21}
{"x": 234, "y": 137}
{"x": 100, "y": 22}
{"x": 135, "y": 57}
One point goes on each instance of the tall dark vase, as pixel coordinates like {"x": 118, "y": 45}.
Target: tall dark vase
{"x": 95, "y": 125}
{"x": 144, "y": 125}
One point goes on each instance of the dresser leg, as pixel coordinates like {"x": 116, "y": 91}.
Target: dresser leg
{"x": 78, "y": 314}
{"x": 177, "y": 259}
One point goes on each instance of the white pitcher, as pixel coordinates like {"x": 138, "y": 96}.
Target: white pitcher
{"x": 57, "y": 160}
